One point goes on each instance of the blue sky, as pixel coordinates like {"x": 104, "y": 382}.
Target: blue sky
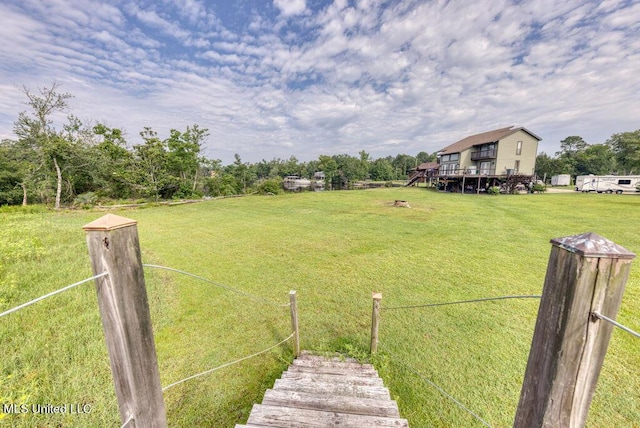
{"x": 310, "y": 77}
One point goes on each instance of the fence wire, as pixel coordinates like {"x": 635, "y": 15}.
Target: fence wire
{"x": 227, "y": 364}
{"x": 262, "y": 300}
{"x": 127, "y": 422}
{"x": 427, "y": 305}
{"x": 53, "y": 293}
{"x": 442, "y": 391}
{"x": 627, "y": 329}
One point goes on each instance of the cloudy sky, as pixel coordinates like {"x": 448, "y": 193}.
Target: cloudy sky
{"x": 275, "y": 78}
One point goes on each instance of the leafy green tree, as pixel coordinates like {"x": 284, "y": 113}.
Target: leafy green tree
{"x": 36, "y": 129}
{"x": 626, "y": 148}
{"x": 546, "y": 166}
{"x": 183, "y": 158}
{"x": 423, "y": 157}
{"x": 381, "y": 170}
{"x": 114, "y": 163}
{"x": 150, "y": 173}
{"x": 570, "y": 147}
{"x": 597, "y": 159}
{"x": 402, "y": 164}
{"x": 328, "y": 165}
{"x": 18, "y": 169}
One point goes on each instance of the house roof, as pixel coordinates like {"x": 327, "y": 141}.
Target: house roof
{"x": 428, "y": 165}
{"x": 485, "y": 137}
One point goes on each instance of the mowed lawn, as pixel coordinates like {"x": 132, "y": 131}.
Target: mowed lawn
{"x": 334, "y": 249}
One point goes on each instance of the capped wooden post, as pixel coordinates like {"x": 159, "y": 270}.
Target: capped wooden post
{"x": 122, "y": 297}
{"x": 586, "y": 273}
{"x": 294, "y": 323}
{"x": 375, "y": 321}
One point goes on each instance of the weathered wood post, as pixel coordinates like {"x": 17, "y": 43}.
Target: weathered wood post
{"x": 294, "y": 323}
{"x": 375, "y": 322}
{"x": 586, "y": 273}
{"x": 122, "y": 298}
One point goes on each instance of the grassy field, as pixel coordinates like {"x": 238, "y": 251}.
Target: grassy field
{"x": 334, "y": 248}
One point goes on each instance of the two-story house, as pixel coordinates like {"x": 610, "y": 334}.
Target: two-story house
{"x": 493, "y": 156}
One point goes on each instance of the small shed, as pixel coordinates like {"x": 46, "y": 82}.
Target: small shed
{"x": 561, "y": 180}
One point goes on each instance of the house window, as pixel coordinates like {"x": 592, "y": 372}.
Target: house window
{"x": 454, "y": 157}
{"x": 516, "y": 167}
{"x": 518, "y": 149}
{"x": 445, "y": 158}
{"x": 485, "y": 168}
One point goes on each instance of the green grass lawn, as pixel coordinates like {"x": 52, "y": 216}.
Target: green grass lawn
{"x": 334, "y": 248}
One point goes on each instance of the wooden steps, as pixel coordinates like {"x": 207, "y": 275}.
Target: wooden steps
{"x": 326, "y": 392}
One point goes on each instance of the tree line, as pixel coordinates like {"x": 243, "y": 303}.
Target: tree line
{"x": 81, "y": 164}
{"x": 620, "y": 155}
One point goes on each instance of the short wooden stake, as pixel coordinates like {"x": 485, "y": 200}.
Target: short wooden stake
{"x": 375, "y": 321}
{"x": 586, "y": 273}
{"x": 294, "y": 323}
{"x": 122, "y": 297}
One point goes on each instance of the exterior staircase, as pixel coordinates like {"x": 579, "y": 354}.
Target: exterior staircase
{"x": 318, "y": 391}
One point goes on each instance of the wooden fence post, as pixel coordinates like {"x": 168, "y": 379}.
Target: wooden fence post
{"x": 294, "y": 323}
{"x": 586, "y": 273}
{"x": 122, "y": 297}
{"x": 375, "y": 322}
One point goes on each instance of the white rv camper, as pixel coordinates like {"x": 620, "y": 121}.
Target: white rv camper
{"x": 607, "y": 183}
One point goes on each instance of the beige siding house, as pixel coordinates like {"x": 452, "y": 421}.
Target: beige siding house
{"x": 492, "y": 156}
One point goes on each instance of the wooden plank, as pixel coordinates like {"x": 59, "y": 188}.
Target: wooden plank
{"x": 122, "y": 298}
{"x": 294, "y": 323}
{"x": 342, "y": 389}
{"x": 327, "y": 378}
{"x": 313, "y": 363}
{"x": 375, "y": 322}
{"x": 331, "y": 403}
{"x": 285, "y": 417}
{"x": 586, "y": 273}
{"x": 364, "y": 372}
{"x": 307, "y": 355}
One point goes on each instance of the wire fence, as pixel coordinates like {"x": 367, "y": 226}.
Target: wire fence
{"x": 262, "y": 300}
{"x": 423, "y": 377}
{"x": 231, "y": 289}
{"x": 441, "y": 390}
{"x": 229, "y": 364}
{"x": 609, "y": 320}
{"x": 53, "y": 293}
{"x": 479, "y": 300}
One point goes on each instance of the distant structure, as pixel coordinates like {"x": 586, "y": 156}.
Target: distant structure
{"x": 482, "y": 160}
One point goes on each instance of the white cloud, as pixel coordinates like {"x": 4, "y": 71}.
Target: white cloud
{"x": 290, "y": 7}
{"x": 405, "y": 77}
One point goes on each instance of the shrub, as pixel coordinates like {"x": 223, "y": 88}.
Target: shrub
{"x": 539, "y": 187}
{"x": 271, "y": 186}
{"x": 493, "y": 190}
{"x": 86, "y": 200}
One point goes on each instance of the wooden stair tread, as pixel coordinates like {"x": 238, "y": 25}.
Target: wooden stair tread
{"x": 319, "y": 377}
{"x": 324, "y": 388}
{"x": 343, "y": 371}
{"x": 331, "y": 403}
{"x": 286, "y": 417}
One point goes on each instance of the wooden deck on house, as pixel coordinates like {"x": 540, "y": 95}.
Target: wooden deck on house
{"x": 326, "y": 392}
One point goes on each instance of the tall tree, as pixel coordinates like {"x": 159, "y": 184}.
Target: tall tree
{"x": 546, "y": 166}
{"x": 183, "y": 157}
{"x": 114, "y": 163}
{"x": 626, "y": 148}
{"x": 36, "y": 128}
{"x": 150, "y": 160}
{"x": 596, "y": 159}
